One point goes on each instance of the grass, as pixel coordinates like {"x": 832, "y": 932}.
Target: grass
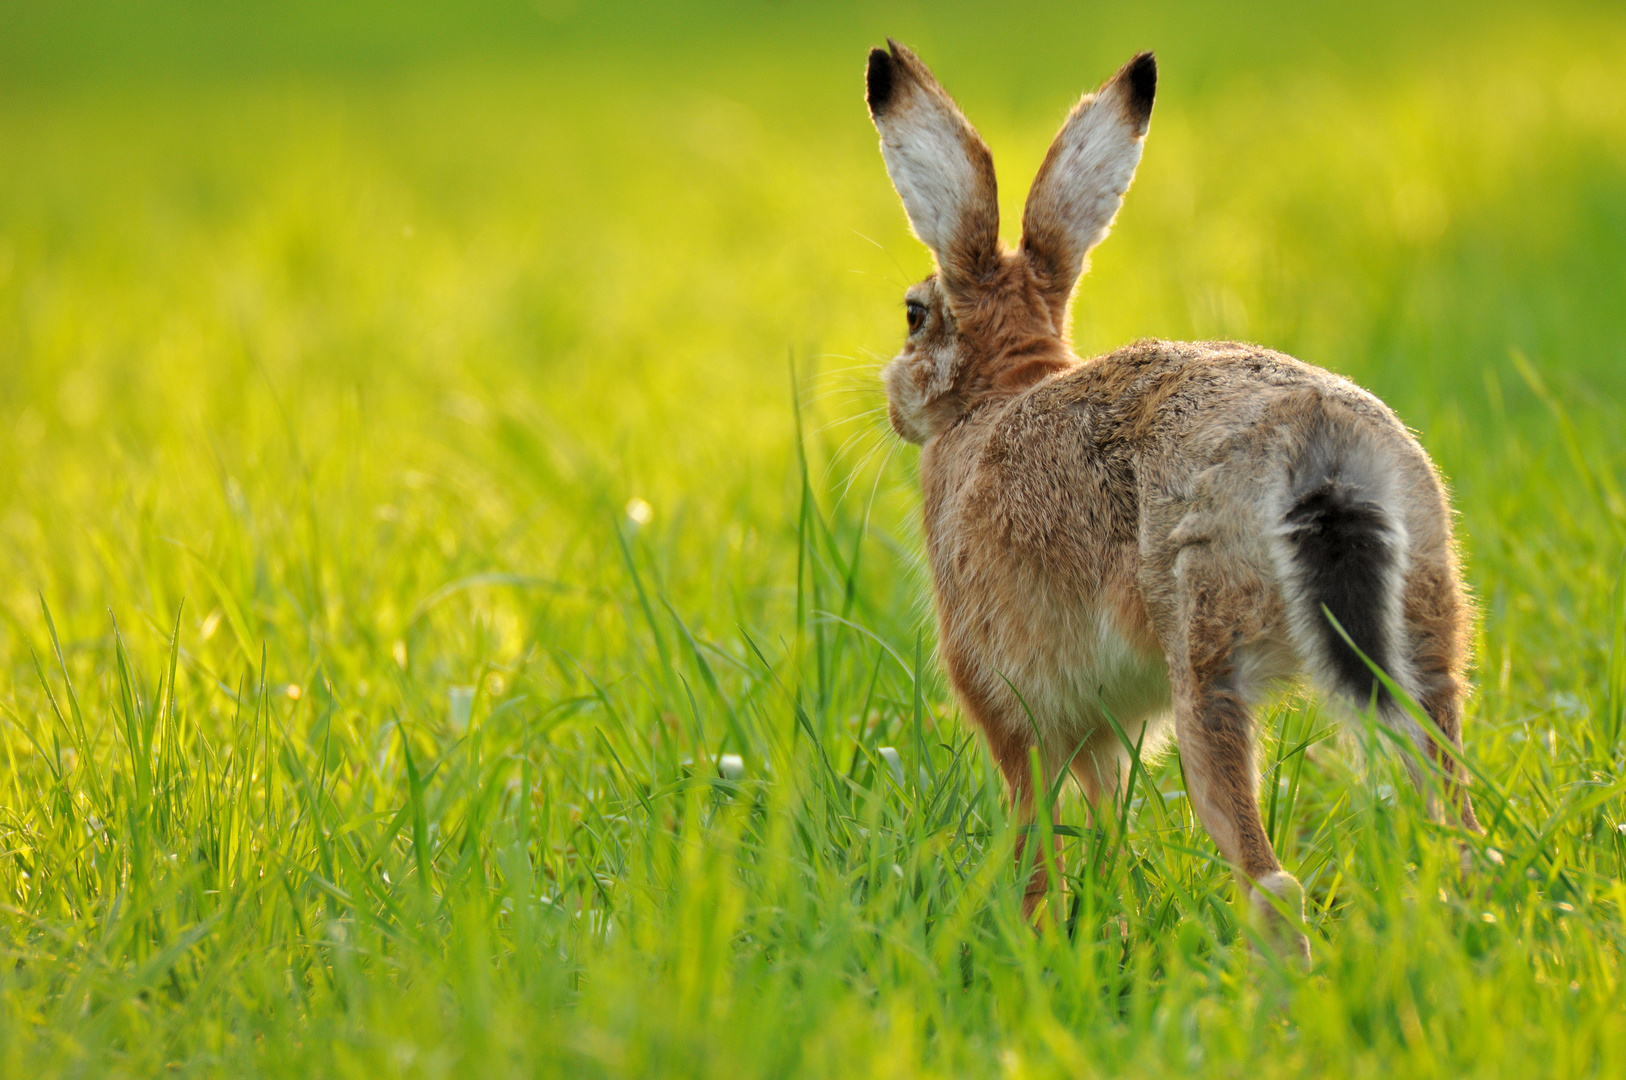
{"x": 433, "y": 449}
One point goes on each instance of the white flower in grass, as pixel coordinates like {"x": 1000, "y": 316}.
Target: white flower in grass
{"x": 459, "y": 705}
{"x": 639, "y": 512}
{"x": 894, "y": 762}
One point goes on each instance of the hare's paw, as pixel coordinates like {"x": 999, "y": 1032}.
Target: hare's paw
{"x": 1276, "y": 903}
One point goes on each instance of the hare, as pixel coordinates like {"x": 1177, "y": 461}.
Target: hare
{"x": 1155, "y": 535}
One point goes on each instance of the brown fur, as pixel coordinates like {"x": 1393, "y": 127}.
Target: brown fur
{"x": 1110, "y": 535}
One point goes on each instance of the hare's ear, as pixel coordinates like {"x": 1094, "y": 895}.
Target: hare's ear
{"x": 940, "y": 167}
{"x": 1084, "y": 176}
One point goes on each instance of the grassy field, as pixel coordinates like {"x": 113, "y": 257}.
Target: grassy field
{"x": 431, "y": 438}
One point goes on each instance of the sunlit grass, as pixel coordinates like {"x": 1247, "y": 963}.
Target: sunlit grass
{"x": 464, "y": 614}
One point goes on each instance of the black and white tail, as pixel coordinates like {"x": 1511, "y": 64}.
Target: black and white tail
{"x": 1346, "y": 554}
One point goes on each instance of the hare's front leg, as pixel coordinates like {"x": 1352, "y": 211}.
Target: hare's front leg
{"x": 1220, "y": 615}
{"x": 1013, "y": 754}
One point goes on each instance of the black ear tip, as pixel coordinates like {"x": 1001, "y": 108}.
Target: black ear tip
{"x": 1141, "y": 76}
{"x": 879, "y": 81}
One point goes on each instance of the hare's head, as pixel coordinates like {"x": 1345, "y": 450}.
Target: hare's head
{"x": 992, "y": 320}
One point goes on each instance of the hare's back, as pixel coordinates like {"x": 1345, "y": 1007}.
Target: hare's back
{"x": 1181, "y": 396}
{"x": 1235, "y": 429}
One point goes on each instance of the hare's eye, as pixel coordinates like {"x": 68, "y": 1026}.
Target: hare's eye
{"x": 917, "y": 314}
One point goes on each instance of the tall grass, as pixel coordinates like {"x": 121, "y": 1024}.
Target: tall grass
{"x": 463, "y": 612}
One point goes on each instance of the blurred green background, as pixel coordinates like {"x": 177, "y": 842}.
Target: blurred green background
{"x": 396, "y": 240}
{"x": 413, "y": 351}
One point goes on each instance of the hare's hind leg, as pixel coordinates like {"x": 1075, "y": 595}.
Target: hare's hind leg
{"x": 1222, "y": 615}
{"x": 1436, "y": 630}
{"x": 1397, "y": 599}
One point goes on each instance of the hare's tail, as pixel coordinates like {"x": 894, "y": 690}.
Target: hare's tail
{"x": 1344, "y": 550}
{"x": 1345, "y": 554}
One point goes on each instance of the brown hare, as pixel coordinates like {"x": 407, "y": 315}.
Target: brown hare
{"x": 1157, "y": 533}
